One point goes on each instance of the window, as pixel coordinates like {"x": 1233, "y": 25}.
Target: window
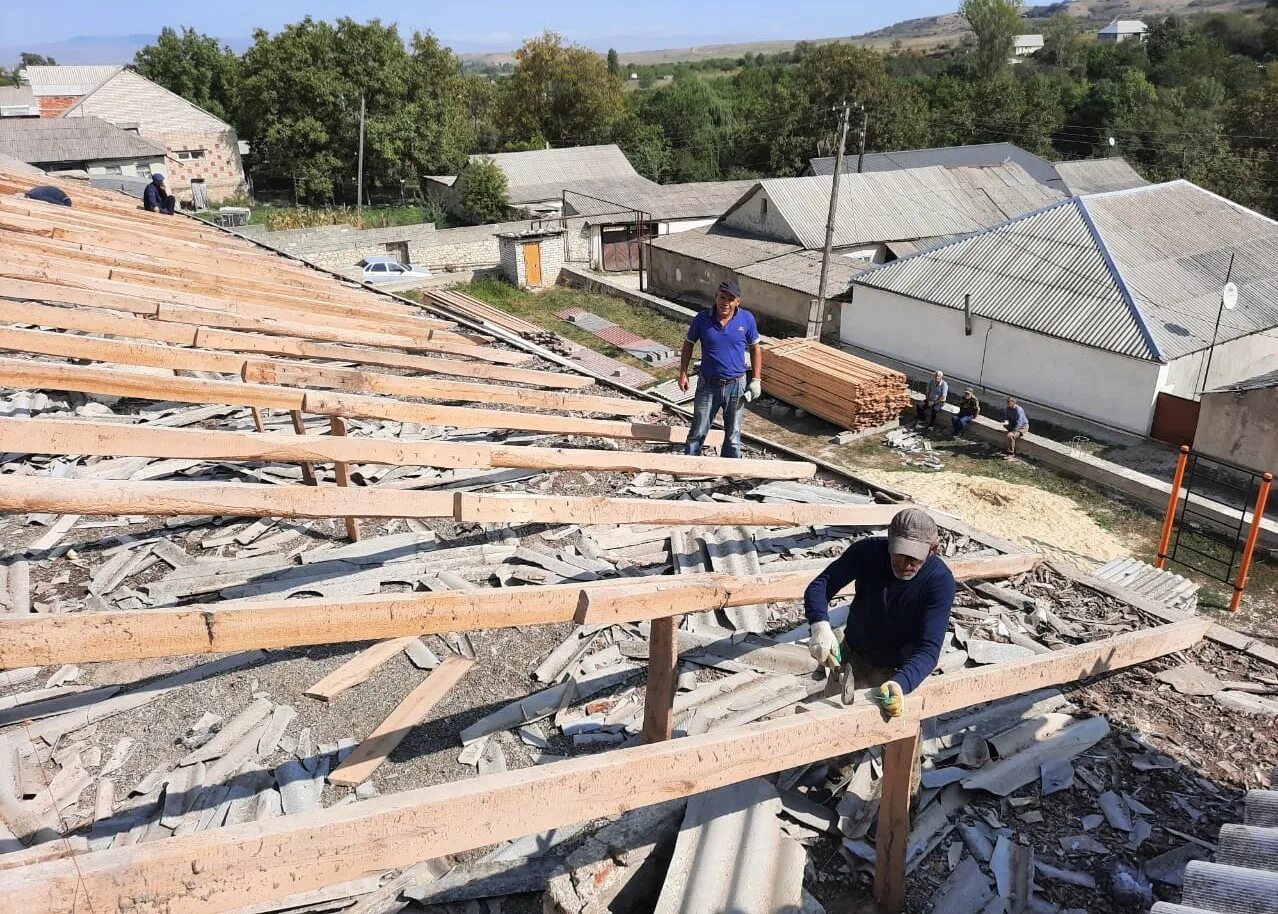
{"x": 396, "y": 268}
{"x": 763, "y": 207}
{"x": 186, "y": 155}
{"x": 111, "y": 169}
{"x": 143, "y": 170}
{"x": 377, "y": 268}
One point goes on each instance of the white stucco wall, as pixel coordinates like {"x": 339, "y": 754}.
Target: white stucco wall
{"x": 1098, "y": 385}
{"x": 757, "y": 215}
{"x": 1236, "y": 360}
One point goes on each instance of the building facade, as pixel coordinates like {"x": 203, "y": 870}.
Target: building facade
{"x": 1239, "y": 423}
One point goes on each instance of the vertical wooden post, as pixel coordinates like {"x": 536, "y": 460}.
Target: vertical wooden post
{"x": 1257, "y": 517}
{"x": 308, "y": 469}
{"x": 257, "y": 419}
{"x": 1169, "y": 520}
{"x": 899, "y": 757}
{"x": 338, "y": 427}
{"x": 663, "y": 671}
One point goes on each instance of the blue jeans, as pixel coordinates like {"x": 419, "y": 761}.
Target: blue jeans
{"x": 961, "y": 423}
{"x": 712, "y": 396}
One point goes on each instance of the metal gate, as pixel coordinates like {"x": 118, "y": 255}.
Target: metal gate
{"x": 620, "y": 244}
{"x": 1202, "y": 541}
{"x": 1175, "y": 419}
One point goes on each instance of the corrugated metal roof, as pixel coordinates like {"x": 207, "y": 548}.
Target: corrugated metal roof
{"x": 696, "y": 200}
{"x": 903, "y": 205}
{"x": 1137, "y": 272}
{"x": 60, "y": 80}
{"x": 16, "y": 96}
{"x": 48, "y": 140}
{"x": 802, "y": 271}
{"x": 731, "y": 856}
{"x": 542, "y": 174}
{"x": 1124, "y": 27}
{"x": 1098, "y": 176}
{"x": 722, "y": 247}
{"x": 1260, "y": 382}
{"x": 1038, "y": 167}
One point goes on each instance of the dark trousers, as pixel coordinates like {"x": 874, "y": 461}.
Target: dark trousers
{"x": 168, "y": 205}
{"x": 961, "y": 423}
{"x": 926, "y": 413}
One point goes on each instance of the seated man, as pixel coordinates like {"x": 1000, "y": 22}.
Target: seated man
{"x": 1017, "y": 425}
{"x": 937, "y": 390}
{"x": 156, "y": 197}
{"x": 899, "y": 616}
{"x": 969, "y": 409}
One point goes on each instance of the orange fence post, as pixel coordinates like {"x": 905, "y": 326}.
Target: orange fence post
{"x": 1170, "y": 520}
{"x": 1257, "y": 516}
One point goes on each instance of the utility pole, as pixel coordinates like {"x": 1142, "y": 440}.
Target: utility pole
{"x": 815, "y": 321}
{"x": 865, "y": 126}
{"x": 359, "y": 173}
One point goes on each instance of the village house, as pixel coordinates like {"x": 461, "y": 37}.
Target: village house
{"x": 1025, "y": 45}
{"x": 977, "y": 154}
{"x": 1096, "y": 176}
{"x": 1089, "y": 306}
{"x": 86, "y": 144}
{"x": 771, "y": 239}
{"x": 202, "y": 152}
{"x": 1121, "y": 30}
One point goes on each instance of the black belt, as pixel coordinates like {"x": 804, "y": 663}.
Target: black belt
{"x": 722, "y": 382}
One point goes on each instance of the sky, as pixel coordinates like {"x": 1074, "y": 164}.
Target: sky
{"x": 471, "y": 25}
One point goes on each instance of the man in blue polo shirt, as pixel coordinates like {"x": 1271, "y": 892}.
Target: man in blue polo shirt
{"x": 899, "y": 616}
{"x": 725, "y": 332}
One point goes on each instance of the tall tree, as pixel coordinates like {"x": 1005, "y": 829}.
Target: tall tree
{"x": 614, "y": 62}
{"x": 441, "y": 130}
{"x": 483, "y": 191}
{"x": 31, "y": 59}
{"x": 995, "y": 23}
{"x": 197, "y": 67}
{"x": 1063, "y": 45}
{"x": 560, "y": 94}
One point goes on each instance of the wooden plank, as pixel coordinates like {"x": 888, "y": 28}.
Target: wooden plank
{"x": 663, "y": 671}
{"x": 106, "y": 439}
{"x": 355, "y": 406}
{"x": 363, "y": 382}
{"x": 121, "y": 352}
{"x": 180, "y": 631}
{"x": 337, "y": 428}
{"x": 35, "y": 375}
{"x": 357, "y": 669}
{"x": 899, "y": 757}
{"x": 368, "y": 755}
{"x": 271, "y": 859}
{"x": 214, "y": 338}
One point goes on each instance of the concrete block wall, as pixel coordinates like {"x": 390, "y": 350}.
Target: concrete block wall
{"x": 342, "y": 247}
{"x": 552, "y": 258}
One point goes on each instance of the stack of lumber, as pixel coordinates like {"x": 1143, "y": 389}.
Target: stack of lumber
{"x": 840, "y": 388}
{"x": 473, "y": 308}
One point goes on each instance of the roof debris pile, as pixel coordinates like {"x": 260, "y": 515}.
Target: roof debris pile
{"x": 450, "y": 669}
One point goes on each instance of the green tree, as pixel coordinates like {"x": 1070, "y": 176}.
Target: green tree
{"x": 197, "y": 67}
{"x": 31, "y": 59}
{"x": 995, "y": 23}
{"x": 646, "y": 147}
{"x": 483, "y": 191}
{"x": 614, "y": 63}
{"x": 440, "y": 126}
{"x": 699, "y": 125}
{"x": 560, "y": 94}
{"x": 1063, "y": 45}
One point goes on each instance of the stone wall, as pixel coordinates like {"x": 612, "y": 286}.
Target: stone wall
{"x": 342, "y": 247}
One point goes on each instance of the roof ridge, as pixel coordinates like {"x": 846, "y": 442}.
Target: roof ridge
{"x": 120, "y": 72}
{"x": 1128, "y": 299}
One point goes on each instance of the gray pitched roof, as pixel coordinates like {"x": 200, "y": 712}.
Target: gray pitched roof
{"x": 542, "y": 174}
{"x": 1259, "y": 382}
{"x": 81, "y": 139}
{"x": 1124, "y": 27}
{"x": 16, "y": 96}
{"x": 1098, "y": 176}
{"x": 60, "y": 80}
{"x": 904, "y": 205}
{"x": 1038, "y": 167}
{"x": 722, "y": 247}
{"x": 801, "y": 270}
{"x": 697, "y": 200}
{"x": 1137, "y": 272}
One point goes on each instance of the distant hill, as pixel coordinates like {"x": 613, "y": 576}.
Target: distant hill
{"x": 93, "y": 49}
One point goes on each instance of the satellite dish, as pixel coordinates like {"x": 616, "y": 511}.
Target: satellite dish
{"x": 1112, "y": 141}
{"x": 1229, "y": 296}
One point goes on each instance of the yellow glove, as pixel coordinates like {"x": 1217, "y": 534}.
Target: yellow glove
{"x": 892, "y": 699}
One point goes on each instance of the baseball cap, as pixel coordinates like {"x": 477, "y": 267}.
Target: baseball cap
{"x": 730, "y": 287}
{"x": 912, "y": 532}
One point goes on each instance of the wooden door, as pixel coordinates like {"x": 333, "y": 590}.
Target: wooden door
{"x": 532, "y": 264}
{"x": 1175, "y": 419}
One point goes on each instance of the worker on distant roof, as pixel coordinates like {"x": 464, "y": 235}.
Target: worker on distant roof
{"x": 725, "y": 332}
{"x": 933, "y": 400}
{"x": 899, "y": 616}
{"x": 1017, "y": 425}
{"x": 156, "y": 197}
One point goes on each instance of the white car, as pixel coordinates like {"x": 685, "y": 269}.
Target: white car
{"x": 388, "y": 269}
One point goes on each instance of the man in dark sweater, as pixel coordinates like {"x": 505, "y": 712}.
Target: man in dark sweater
{"x": 899, "y": 617}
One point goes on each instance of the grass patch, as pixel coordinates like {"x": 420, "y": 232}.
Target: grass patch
{"x": 284, "y": 218}
{"x": 540, "y": 309}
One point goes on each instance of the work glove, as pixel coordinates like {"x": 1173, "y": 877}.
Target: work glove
{"x": 822, "y": 644}
{"x": 891, "y": 699}
{"x": 753, "y": 392}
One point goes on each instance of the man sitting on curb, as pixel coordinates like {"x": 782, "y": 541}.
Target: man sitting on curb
{"x": 933, "y": 401}
{"x": 969, "y": 409}
{"x": 1017, "y": 425}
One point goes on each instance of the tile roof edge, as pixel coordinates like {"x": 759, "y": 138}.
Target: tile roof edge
{"x": 1133, "y": 309}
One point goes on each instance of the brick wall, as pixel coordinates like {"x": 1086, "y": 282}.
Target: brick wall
{"x": 552, "y": 258}
{"x": 220, "y": 167}
{"x": 54, "y": 105}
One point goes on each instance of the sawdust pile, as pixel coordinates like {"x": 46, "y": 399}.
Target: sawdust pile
{"x": 1027, "y": 515}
